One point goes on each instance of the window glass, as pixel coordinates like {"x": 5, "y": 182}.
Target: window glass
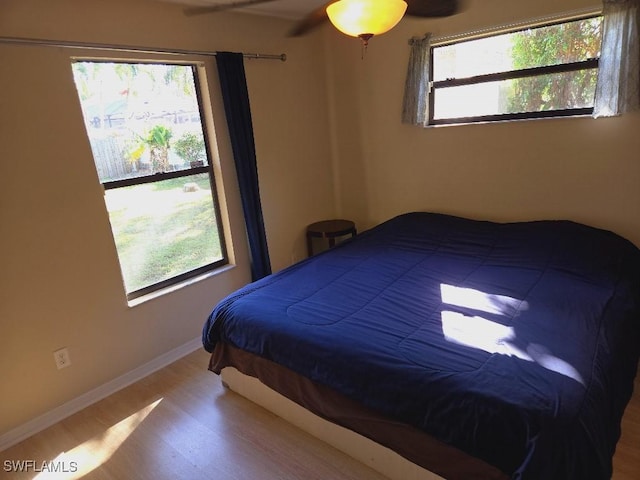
{"x": 144, "y": 125}
{"x": 519, "y": 95}
{"x": 130, "y": 107}
{"x": 543, "y": 69}
{"x": 535, "y": 47}
{"x": 163, "y": 229}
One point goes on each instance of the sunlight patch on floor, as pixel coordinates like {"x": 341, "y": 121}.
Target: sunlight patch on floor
{"x": 91, "y": 454}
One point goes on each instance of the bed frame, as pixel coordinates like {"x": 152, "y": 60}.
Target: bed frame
{"x": 392, "y": 448}
{"x": 379, "y": 458}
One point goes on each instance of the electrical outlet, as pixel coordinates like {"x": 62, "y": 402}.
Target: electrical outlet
{"x": 62, "y": 358}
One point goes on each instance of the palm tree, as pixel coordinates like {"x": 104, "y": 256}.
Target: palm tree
{"x": 158, "y": 142}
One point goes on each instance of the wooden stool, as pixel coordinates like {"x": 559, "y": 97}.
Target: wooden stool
{"x": 329, "y": 229}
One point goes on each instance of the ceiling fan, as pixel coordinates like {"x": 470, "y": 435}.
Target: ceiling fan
{"x": 414, "y": 8}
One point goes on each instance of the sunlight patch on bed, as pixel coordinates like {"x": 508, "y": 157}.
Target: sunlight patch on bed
{"x": 93, "y": 453}
{"x": 478, "y": 300}
{"x": 494, "y": 337}
{"x": 478, "y": 332}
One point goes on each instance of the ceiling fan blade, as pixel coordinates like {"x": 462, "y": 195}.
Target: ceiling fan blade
{"x": 432, "y": 8}
{"x": 219, "y": 7}
{"x": 313, "y": 20}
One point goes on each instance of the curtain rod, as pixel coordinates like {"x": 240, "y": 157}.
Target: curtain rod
{"x": 126, "y": 48}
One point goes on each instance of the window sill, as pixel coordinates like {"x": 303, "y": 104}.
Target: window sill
{"x": 506, "y": 120}
{"x": 178, "y": 286}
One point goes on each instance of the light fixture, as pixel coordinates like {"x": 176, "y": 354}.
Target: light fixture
{"x": 366, "y": 18}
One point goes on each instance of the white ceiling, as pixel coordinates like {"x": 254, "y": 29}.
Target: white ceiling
{"x": 292, "y": 9}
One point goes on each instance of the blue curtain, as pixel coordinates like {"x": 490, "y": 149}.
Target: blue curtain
{"x": 236, "y": 105}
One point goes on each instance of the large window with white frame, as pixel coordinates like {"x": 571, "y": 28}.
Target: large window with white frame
{"x": 144, "y": 122}
{"x": 546, "y": 71}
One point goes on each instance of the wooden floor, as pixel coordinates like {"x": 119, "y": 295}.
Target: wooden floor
{"x": 180, "y": 423}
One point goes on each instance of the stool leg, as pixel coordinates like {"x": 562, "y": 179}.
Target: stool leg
{"x": 332, "y": 242}
{"x": 309, "y": 245}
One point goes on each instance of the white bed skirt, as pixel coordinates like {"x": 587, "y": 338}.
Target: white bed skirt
{"x": 372, "y": 454}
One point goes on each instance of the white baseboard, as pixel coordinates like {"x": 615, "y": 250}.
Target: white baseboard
{"x": 24, "y": 431}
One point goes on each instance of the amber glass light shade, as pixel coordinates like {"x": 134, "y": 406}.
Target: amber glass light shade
{"x": 358, "y": 18}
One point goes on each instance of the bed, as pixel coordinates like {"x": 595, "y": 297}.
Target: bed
{"x": 473, "y": 349}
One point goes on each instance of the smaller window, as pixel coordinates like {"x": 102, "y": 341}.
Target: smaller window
{"x": 539, "y": 72}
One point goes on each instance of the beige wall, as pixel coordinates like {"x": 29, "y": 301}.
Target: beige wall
{"x": 581, "y": 169}
{"x": 60, "y": 283}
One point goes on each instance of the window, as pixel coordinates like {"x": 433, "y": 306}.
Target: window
{"x": 533, "y": 73}
{"x": 150, "y": 149}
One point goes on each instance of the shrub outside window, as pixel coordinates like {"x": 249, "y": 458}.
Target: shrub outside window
{"x": 149, "y": 145}
{"x": 537, "y": 72}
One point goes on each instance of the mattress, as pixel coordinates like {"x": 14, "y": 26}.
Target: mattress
{"x": 515, "y": 343}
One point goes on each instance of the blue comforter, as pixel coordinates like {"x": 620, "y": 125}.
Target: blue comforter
{"x": 515, "y": 342}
